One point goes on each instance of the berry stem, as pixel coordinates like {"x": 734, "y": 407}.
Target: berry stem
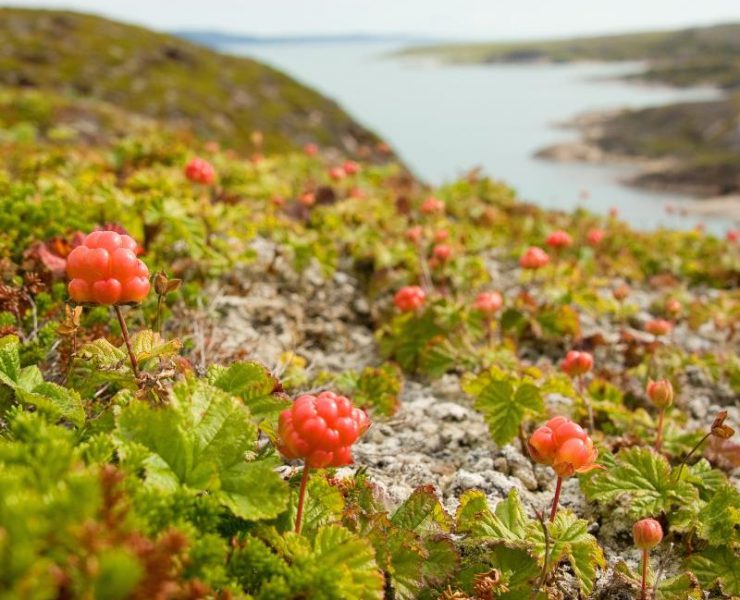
{"x": 127, "y": 340}
{"x": 556, "y": 499}
{"x": 659, "y": 435}
{"x": 586, "y": 401}
{"x": 301, "y": 498}
{"x": 645, "y": 559}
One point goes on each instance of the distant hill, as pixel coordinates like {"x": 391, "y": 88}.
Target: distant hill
{"x": 219, "y": 97}
{"x": 219, "y": 39}
{"x": 699, "y": 55}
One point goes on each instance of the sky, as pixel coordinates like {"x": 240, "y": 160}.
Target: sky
{"x": 458, "y": 19}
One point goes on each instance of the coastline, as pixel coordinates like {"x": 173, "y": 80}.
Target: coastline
{"x": 665, "y": 174}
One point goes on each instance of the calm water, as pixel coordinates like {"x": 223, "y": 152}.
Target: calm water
{"x": 445, "y": 120}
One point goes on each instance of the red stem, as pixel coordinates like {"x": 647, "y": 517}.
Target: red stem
{"x": 659, "y": 436}
{"x": 645, "y": 559}
{"x": 127, "y": 340}
{"x": 301, "y": 498}
{"x": 556, "y": 499}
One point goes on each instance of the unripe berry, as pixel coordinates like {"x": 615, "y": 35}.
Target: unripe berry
{"x": 321, "y": 430}
{"x": 307, "y": 199}
{"x": 414, "y": 234}
{"x": 577, "y": 363}
{"x": 564, "y": 445}
{"x": 574, "y": 455}
{"x": 310, "y": 149}
{"x": 336, "y": 173}
{"x": 658, "y": 327}
{"x": 104, "y": 269}
{"x": 409, "y": 298}
{"x": 621, "y": 292}
{"x": 488, "y": 302}
{"x": 441, "y": 235}
{"x": 647, "y": 533}
{"x": 199, "y": 170}
{"x": 542, "y": 445}
{"x": 534, "y": 258}
{"x": 660, "y": 393}
{"x": 559, "y": 239}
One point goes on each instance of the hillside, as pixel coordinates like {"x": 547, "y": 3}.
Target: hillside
{"x": 701, "y": 55}
{"x": 217, "y": 97}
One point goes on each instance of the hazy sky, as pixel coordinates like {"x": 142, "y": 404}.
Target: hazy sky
{"x": 489, "y": 19}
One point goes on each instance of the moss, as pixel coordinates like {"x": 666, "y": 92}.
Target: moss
{"x": 224, "y": 98}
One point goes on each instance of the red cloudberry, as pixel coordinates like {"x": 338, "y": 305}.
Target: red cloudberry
{"x": 442, "y": 252}
{"x": 432, "y": 206}
{"x": 595, "y": 236}
{"x": 658, "y": 327}
{"x": 488, "y": 302}
{"x": 104, "y": 269}
{"x": 577, "y": 363}
{"x": 350, "y": 167}
{"x": 559, "y": 239}
{"x": 566, "y": 447}
{"x": 199, "y": 170}
{"x": 409, "y": 298}
{"x": 534, "y": 258}
{"x": 661, "y": 395}
{"x": 320, "y": 430}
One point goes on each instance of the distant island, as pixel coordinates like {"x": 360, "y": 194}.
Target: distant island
{"x": 687, "y": 147}
{"x": 219, "y": 39}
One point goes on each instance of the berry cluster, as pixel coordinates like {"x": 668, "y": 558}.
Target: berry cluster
{"x": 321, "y": 430}
{"x": 104, "y": 269}
{"x": 199, "y": 170}
{"x": 409, "y": 298}
{"x": 565, "y": 446}
{"x": 534, "y": 258}
{"x": 577, "y": 363}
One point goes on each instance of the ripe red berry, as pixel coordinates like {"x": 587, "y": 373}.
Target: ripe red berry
{"x": 595, "y": 236}
{"x": 441, "y": 235}
{"x": 534, "y": 258}
{"x": 564, "y": 445}
{"x": 577, "y": 363}
{"x": 432, "y": 206}
{"x": 647, "y": 533}
{"x": 104, "y": 269}
{"x": 336, "y": 173}
{"x": 733, "y": 235}
{"x": 311, "y": 149}
{"x": 409, "y": 298}
{"x": 350, "y": 167}
{"x": 442, "y": 252}
{"x": 660, "y": 393}
{"x": 559, "y": 239}
{"x": 199, "y": 170}
{"x": 307, "y": 199}
{"x": 321, "y": 430}
{"x": 621, "y": 292}
{"x": 658, "y": 327}
{"x": 414, "y": 234}
{"x": 488, "y": 302}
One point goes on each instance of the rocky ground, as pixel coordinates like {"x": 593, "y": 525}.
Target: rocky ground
{"x": 436, "y": 437}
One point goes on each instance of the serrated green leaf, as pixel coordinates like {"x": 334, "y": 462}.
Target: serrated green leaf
{"x": 55, "y": 401}
{"x": 337, "y": 549}
{"x": 683, "y": 586}
{"x": 148, "y": 344}
{"x": 508, "y": 524}
{"x": 441, "y": 561}
{"x": 518, "y": 571}
{"x": 644, "y": 476}
{"x": 504, "y": 408}
{"x": 254, "y": 384}
{"x": 10, "y": 361}
{"x": 422, "y": 512}
{"x": 570, "y": 540}
{"x": 720, "y": 518}
{"x": 717, "y": 566}
{"x": 203, "y": 440}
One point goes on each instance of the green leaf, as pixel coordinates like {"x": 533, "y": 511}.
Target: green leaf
{"x": 570, "y": 540}
{"x": 720, "y": 518}
{"x": 441, "y": 562}
{"x": 717, "y": 566}
{"x": 422, "y": 512}
{"x": 503, "y": 407}
{"x": 683, "y": 586}
{"x": 55, "y": 401}
{"x": 337, "y": 549}
{"x": 518, "y": 571}
{"x": 204, "y": 440}
{"x": 508, "y": 524}
{"x": 10, "y": 361}
{"x": 644, "y": 477}
{"x": 254, "y": 384}
{"x": 148, "y": 344}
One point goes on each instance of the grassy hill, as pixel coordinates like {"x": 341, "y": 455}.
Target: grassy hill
{"x": 701, "y": 55}
{"x": 184, "y": 85}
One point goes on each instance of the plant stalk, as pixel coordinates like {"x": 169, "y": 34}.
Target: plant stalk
{"x": 556, "y": 499}
{"x": 127, "y": 340}
{"x": 586, "y": 401}
{"x": 645, "y": 559}
{"x": 301, "y": 498}
{"x": 659, "y": 435}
